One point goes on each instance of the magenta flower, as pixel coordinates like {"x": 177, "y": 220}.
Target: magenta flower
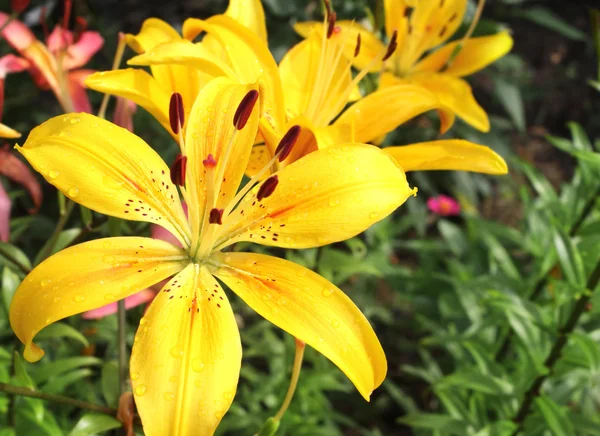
{"x": 443, "y": 205}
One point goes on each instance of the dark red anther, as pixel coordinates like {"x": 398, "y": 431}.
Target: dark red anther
{"x": 43, "y": 23}
{"x": 176, "y": 114}
{"x": 267, "y": 188}
{"x": 209, "y": 162}
{"x": 67, "y": 13}
{"x": 328, "y": 9}
{"x": 178, "y": 170}
{"x": 19, "y": 6}
{"x": 287, "y": 142}
{"x": 81, "y": 26}
{"x": 244, "y": 110}
{"x": 357, "y": 48}
{"x": 391, "y": 46}
{"x": 215, "y": 216}
{"x": 331, "y": 24}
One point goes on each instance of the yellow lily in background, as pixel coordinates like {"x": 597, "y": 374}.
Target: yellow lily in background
{"x": 187, "y": 354}
{"x": 420, "y": 26}
{"x": 178, "y": 65}
{"x": 7, "y": 132}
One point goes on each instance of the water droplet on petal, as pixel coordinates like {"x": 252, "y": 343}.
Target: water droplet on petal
{"x": 135, "y": 376}
{"x": 327, "y": 292}
{"x": 198, "y": 365}
{"x": 53, "y": 174}
{"x": 45, "y": 282}
{"x": 335, "y": 323}
{"x": 106, "y": 244}
{"x": 143, "y": 321}
{"x": 140, "y": 390}
{"x": 108, "y": 259}
{"x": 78, "y": 298}
{"x": 56, "y": 299}
{"x": 75, "y": 120}
{"x": 176, "y": 352}
{"x": 169, "y": 396}
{"x": 334, "y": 202}
{"x": 73, "y": 192}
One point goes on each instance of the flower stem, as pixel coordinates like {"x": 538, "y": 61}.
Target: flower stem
{"x": 542, "y": 281}
{"x": 555, "y": 352}
{"x": 122, "y": 346}
{"x": 294, "y": 380}
{"x": 116, "y": 62}
{"x": 60, "y": 225}
{"x": 27, "y": 392}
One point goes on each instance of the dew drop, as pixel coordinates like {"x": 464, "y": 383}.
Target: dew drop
{"x": 56, "y": 299}
{"x": 73, "y": 192}
{"x": 198, "y": 365}
{"x": 75, "y": 120}
{"x": 140, "y": 390}
{"x": 143, "y": 321}
{"x": 335, "y": 323}
{"x": 173, "y": 379}
{"x": 110, "y": 297}
{"x": 108, "y": 259}
{"x": 106, "y": 245}
{"x": 327, "y": 292}
{"x": 45, "y": 282}
{"x": 78, "y": 298}
{"x": 53, "y": 174}
{"x": 176, "y": 352}
{"x": 169, "y": 396}
{"x": 135, "y": 376}
{"x": 334, "y": 202}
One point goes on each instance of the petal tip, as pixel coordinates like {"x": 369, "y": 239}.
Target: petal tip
{"x": 33, "y": 353}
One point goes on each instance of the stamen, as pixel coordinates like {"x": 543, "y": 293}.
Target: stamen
{"x": 178, "y": 170}
{"x": 209, "y": 162}
{"x": 331, "y": 24}
{"x": 216, "y": 216}
{"x": 81, "y": 26}
{"x": 328, "y": 9}
{"x": 19, "y": 6}
{"x": 357, "y": 48}
{"x": 391, "y": 46}
{"x": 287, "y": 142}
{"x": 67, "y": 13}
{"x": 267, "y": 188}
{"x": 176, "y": 113}
{"x": 244, "y": 110}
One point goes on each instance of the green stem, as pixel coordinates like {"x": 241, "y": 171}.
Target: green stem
{"x": 300, "y": 346}
{"x": 555, "y": 352}
{"x": 27, "y": 392}
{"x": 122, "y": 346}
{"x": 542, "y": 281}
{"x": 60, "y": 225}
{"x": 12, "y": 259}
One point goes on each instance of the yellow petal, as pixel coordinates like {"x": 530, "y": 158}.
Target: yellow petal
{"x": 476, "y": 54}
{"x": 457, "y": 95}
{"x": 7, "y": 132}
{"x": 395, "y": 18}
{"x": 370, "y": 45}
{"x": 249, "y": 57}
{"x": 327, "y": 196}
{"x": 186, "y": 357}
{"x": 259, "y": 158}
{"x": 38, "y": 54}
{"x": 107, "y": 169}
{"x": 211, "y": 131}
{"x": 154, "y": 31}
{"x": 250, "y": 13}
{"x": 448, "y": 154}
{"x": 385, "y": 109}
{"x": 85, "y": 277}
{"x": 309, "y": 308}
{"x": 135, "y": 85}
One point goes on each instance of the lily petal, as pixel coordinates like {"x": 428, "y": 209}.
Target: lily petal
{"x": 385, "y": 109}
{"x": 448, "y": 154}
{"x": 327, "y": 196}
{"x": 249, "y": 57}
{"x": 5, "y": 206}
{"x": 80, "y": 53}
{"x": 76, "y": 80}
{"x": 87, "y": 276}
{"x": 211, "y": 131}
{"x": 309, "y": 308}
{"x": 251, "y": 14}
{"x": 154, "y": 31}
{"x": 107, "y": 169}
{"x": 16, "y": 33}
{"x": 135, "y": 85}
{"x": 132, "y": 301}
{"x": 186, "y": 357}
{"x": 476, "y": 54}
{"x": 13, "y": 168}
{"x": 457, "y": 95}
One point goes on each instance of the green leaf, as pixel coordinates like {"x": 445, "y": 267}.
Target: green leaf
{"x": 498, "y": 428}
{"x": 58, "y": 367}
{"x": 62, "y": 330}
{"x": 63, "y": 240}
{"x": 57, "y": 385}
{"x": 14, "y": 258}
{"x": 453, "y": 236}
{"x": 541, "y": 185}
{"x": 10, "y": 282}
{"x": 509, "y": 95}
{"x": 501, "y": 256}
{"x": 110, "y": 383}
{"x": 585, "y": 426}
{"x": 589, "y": 348}
{"x": 483, "y": 383}
{"x": 544, "y": 17}
{"x": 570, "y": 259}
{"x": 94, "y": 423}
{"x": 555, "y": 416}
{"x": 22, "y": 378}
{"x": 434, "y": 421}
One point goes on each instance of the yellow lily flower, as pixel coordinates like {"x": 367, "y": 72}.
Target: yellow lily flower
{"x": 187, "y": 354}
{"x": 421, "y": 26}
{"x": 174, "y": 71}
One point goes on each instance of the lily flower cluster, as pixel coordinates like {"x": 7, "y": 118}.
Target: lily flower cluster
{"x": 300, "y": 132}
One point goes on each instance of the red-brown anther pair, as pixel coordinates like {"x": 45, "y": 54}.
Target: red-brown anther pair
{"x": 178, "y": 170}
{"x": 287, "y": 142}
{"x": 215, "y": 216}
{"x": 267, "y": 188}
{"x": 176, "y": 113}
{"x": 391, "y": 46}
{"x": 244, "y": 110}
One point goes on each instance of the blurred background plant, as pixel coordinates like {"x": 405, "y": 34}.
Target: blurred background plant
{"x": 487, "y": 316}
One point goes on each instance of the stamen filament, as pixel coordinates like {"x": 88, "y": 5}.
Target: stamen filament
{"x": 116, "y": 62}
{"x": 298, "y": 357}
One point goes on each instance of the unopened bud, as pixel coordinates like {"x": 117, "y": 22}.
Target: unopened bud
{"x": 287, "y": 142}
{"x": 176, "y": 114}
{"x": 244, "y": 110}
{"x": 267, "y": 188}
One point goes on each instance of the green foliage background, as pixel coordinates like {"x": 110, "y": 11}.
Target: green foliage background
{"x": 467, "y": 309}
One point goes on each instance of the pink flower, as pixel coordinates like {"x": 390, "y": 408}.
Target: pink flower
{"x": 443, "y": 205}
{"x": 54, "y": 65}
